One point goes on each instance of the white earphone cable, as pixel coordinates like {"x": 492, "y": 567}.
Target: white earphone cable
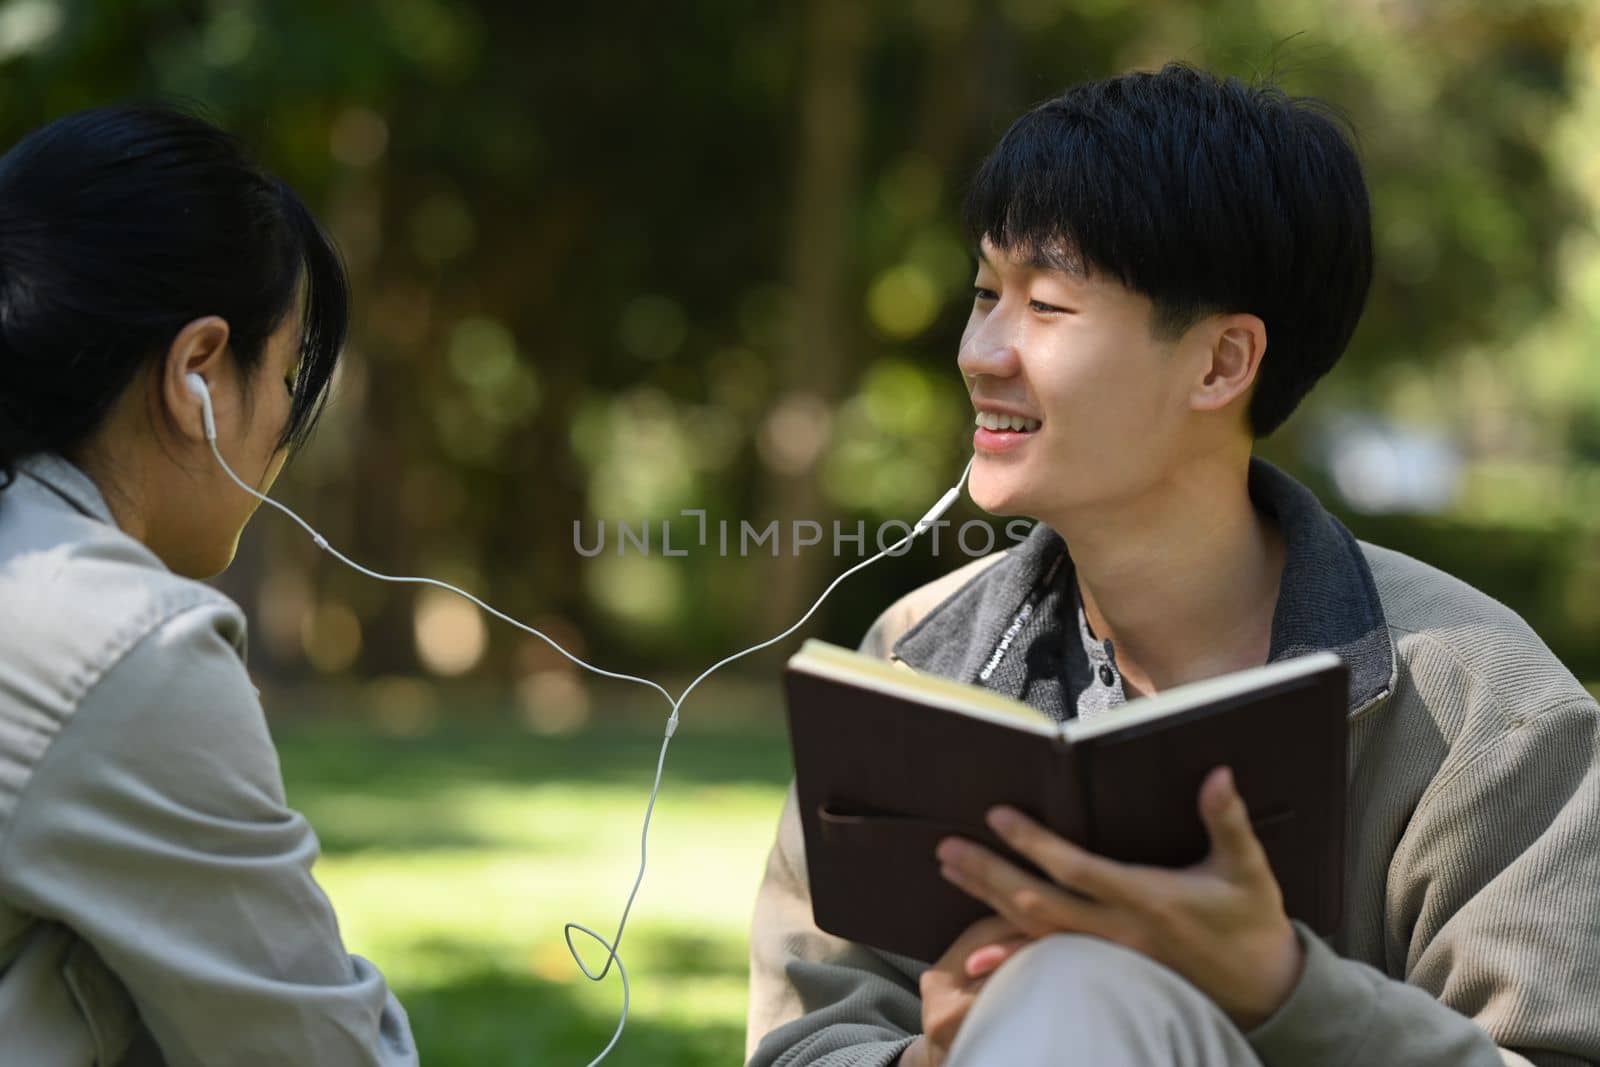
{"x": 615, "y": 943}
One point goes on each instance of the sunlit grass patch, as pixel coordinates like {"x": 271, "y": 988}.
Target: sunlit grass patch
{"x": 455, "y": 859}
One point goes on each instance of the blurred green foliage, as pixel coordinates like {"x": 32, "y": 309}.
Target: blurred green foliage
{"x": 612, "y": 263}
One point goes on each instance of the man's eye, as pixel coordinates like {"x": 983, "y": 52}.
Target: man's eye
{"x": 980, "y": 293}
{"x": 1043, "y": 308}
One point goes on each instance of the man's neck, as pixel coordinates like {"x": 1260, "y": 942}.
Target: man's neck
{"x": 1182, "y": 579}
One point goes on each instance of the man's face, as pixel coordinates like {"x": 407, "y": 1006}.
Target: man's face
{"x": 1074, "y": 354}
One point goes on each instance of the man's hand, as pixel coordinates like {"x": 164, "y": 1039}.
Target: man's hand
{"x": 1220, "y": 923}
{"x": 951, "y": 985}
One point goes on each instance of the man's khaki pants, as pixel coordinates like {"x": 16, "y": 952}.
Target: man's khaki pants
{"x": 1077, "y": 1001}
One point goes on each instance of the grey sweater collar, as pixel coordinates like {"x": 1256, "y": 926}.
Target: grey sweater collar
{"x": 1008, "y": 629}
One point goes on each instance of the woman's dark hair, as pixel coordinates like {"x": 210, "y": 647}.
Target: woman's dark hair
{"x": 1204, "y": 194}
{"x": 119, "y": 226}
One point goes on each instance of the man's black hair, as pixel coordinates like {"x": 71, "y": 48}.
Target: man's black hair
{"x": 1206, "y": 195}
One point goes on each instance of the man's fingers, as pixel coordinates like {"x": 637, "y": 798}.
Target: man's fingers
{"x": 1234, "y": 845}
{"x": 988, "y": 959}
{"x": 1068, "y": 865}
{"x": 988, "y": 931}
{"x": 993, "y": 930}
{"x": 1036, "y": 907}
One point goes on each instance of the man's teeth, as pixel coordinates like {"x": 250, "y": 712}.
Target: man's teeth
{"x": 991, "y": 421}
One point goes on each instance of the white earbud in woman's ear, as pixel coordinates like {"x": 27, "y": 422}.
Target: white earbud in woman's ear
{"x": 197, "y": 386}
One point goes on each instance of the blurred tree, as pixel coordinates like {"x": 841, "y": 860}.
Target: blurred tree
{"x": 612, "y": 263}
{"x": 816, "y": 367}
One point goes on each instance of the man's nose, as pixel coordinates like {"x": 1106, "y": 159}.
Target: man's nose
{"x": 991, "y": 349}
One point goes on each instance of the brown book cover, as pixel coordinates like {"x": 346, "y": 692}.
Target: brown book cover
{"x": 888, "y": 762}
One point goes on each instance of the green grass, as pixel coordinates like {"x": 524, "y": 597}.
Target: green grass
{"x": 455, "y": 858}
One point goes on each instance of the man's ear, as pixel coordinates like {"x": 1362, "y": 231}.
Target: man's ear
{"x": 1235, "y": 344}
{"x": 199, "y": 348}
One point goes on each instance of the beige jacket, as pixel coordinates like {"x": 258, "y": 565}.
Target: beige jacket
{"x": 156, "y": 899}
{"x": 1473, "y": 871}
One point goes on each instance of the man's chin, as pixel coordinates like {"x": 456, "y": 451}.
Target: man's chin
{"x": 999, "y": 496}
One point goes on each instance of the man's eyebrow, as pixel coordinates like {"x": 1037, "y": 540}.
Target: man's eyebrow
{"x": 1058, "y": 259}
{"x": 1043, "y": 260}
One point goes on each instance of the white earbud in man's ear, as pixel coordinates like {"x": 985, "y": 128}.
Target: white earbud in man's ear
{"x": 197, "y": 386}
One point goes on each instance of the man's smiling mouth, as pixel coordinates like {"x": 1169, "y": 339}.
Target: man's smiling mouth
{"x": 990, "y": 420}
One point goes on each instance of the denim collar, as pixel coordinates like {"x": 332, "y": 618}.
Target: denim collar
{"x": 68, "y": 482}
{"x": 1013, "y": 629}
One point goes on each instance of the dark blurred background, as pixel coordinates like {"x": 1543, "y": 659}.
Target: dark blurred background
{"x": 615, "y": 262}
{"x": 612, "y": 262}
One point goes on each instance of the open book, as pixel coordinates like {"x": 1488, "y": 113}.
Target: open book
{"x": 888, "y": 762}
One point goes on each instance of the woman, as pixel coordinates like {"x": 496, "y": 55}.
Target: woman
{"x": 156, "y": 898}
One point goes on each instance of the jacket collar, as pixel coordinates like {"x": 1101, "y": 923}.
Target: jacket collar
{"x": 68, "y": 482}
{"x": 1008, "y": 628}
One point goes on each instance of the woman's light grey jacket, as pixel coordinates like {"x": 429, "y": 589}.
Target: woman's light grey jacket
{"x": 156, "y": 898}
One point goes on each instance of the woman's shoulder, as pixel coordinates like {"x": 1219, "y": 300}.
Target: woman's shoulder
{"x": 79, "y": 599}
{"x": 162, "y": 698}
{"x": 77, "y": 593}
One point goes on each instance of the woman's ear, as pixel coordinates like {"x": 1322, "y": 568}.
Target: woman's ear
{"x": 199, "y": 348}
{"x": 1236, "y": 344}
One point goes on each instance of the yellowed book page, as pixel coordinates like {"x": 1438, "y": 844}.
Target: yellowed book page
{"x": 819, "y": 657}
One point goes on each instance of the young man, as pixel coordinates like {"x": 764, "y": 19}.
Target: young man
{"x": 1167, "y": 264}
